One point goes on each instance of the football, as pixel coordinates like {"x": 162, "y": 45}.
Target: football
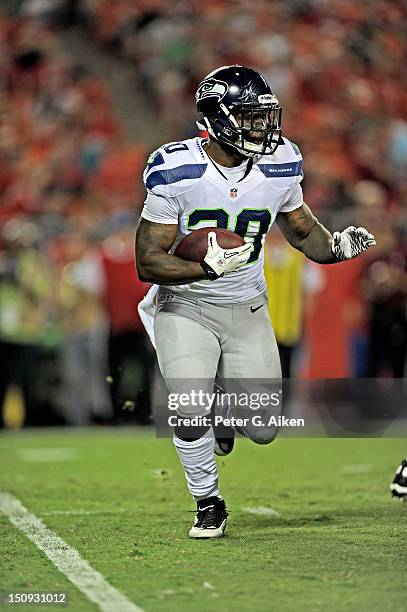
{"x": 194, "y": 246}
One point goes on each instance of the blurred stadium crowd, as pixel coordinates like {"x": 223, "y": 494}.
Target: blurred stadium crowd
{"x": 71, "y": 189}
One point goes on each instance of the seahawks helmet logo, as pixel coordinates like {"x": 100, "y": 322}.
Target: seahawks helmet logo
{"x": 211, "y": 88}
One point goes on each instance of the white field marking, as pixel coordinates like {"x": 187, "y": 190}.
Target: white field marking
{"x": 47, "y": 455}
{"x": 166, "y": 592}
{"x": 89, "y": 581}
{"x": 261, "y": 510}
{"x": 358, "y": 468}
{"x": 208, "y": 585}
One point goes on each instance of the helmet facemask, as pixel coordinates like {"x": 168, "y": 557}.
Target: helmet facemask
{"x": 249, "y": 129}
{"x": 259, "y": 127}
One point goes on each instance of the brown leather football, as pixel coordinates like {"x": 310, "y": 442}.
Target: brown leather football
{"x": 195, "y": 245}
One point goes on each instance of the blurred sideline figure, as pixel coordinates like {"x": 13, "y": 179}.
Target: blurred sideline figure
{"x": 80, "y": 287}
{"x": 385, "y": 288}
{"x": 28, "y": 330}
{"x": 130, "y": 357}
{"x": 292, "y": 282}
{"x": 283, "y": 270}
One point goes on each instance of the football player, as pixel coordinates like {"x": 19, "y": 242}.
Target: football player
{"x": 398, "y": 487}
{"x": 212, "y": 317}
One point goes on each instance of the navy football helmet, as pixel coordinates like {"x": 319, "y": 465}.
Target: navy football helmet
{"x": 237, "y": 107}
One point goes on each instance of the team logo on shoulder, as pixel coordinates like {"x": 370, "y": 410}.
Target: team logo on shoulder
{"x": 155, "y": 159}
{"x": 233, "y": 193}
{"x": 212, "y": 88}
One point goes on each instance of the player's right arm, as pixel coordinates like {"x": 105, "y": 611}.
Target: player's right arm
{"x": 154, "y": 264}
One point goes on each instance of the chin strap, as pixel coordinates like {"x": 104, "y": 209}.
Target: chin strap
{"x": 248, "y": 169}
{"x": 249, "y": 166}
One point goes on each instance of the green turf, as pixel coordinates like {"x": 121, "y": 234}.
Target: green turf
{"x": 338, "y": 543}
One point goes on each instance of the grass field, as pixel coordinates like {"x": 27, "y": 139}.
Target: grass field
{"x": 338, "y": 541}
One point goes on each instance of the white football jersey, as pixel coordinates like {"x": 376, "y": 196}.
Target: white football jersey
{"x": 185, "y": 187}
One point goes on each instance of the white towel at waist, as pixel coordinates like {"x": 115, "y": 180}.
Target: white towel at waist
{"x": 146, "y": 310}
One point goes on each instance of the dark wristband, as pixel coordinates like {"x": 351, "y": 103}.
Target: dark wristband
{"x": 210, "y": 274}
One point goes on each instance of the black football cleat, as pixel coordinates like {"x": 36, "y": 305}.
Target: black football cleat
{"x": 398, "y": 487}
{"x": 210, "y": 520}
{"x": 224, "y": 437}
{"x": 224, "y": 446}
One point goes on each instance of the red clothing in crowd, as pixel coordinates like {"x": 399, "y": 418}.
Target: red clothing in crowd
{"x": 123, "y": 289}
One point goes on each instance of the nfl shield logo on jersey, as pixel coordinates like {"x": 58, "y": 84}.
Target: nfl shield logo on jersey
{"x": 233, "y": 193}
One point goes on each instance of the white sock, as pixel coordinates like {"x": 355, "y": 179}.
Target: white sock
{"x": 198, "y": 460}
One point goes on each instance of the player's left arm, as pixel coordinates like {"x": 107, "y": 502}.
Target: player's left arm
{"x": 305, "y": 233}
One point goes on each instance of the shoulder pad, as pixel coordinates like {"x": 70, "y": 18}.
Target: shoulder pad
{"x": 175, "y": 167}
{"x": 285, "y": 165}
